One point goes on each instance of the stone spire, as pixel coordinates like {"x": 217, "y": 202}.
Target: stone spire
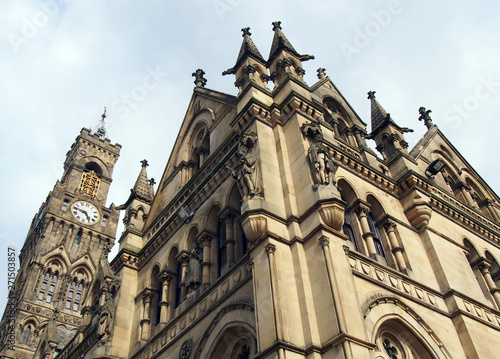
{"x": 284, "y": 61}
{"x": 281, "y": 43}
{"x": 143, "y": 188}
{"x": 248, "y": 49}
{"x": 250, "y": 67}
{"x": 378, "y": 114}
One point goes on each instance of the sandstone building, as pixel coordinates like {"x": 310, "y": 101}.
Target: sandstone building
{"x": 275, "y": 232}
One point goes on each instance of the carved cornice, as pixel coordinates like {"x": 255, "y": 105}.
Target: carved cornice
{"x": 455, "y": 210}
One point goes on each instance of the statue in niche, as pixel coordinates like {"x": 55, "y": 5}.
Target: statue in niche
{"x": 105, "y": 320}
{"x": 247, "y": 172}
{"x": 323, "y": 166}
{"x": 193, "y": 273}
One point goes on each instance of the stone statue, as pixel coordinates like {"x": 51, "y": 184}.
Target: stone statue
{"x": 323, "y": 166}
{"x": 193, "y": 273}
{"x": 247, "y": 172}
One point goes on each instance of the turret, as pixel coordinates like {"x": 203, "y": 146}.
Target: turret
{"x": 137, "y": 208}
{"x": 388, "y": 136}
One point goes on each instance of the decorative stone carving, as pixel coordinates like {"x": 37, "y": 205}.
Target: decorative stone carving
{"x": 185, "y": 350}
{"x": 424, "y": 116}
{"x": 333, "y": 215}
{"x": 254, "y": 226}
{"x": 321, "y": 73}
{"x": 323, "y": 166}
{"x": 200, "y": 81}
{"x": 247, "y": 173}
{"x": 418, "y": 212}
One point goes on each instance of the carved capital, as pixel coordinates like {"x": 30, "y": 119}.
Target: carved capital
{"x": 484, "y": 266}
{"x": 390, "y": 226}
{"x": 270, "y": 248}
{"x": 164, "y": 277}
{"x": 324, "y": 241}
{"x": 362, "y": 209}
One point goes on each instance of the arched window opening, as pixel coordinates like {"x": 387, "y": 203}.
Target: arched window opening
{"x": 43, "y": 287}
{"x": 178, "y": 292}
{"x": 349, "y": 230}
{"x": 351, "y": 225}
{"x": 481, "y": 269}
{"x": 71, "y": 292}
{"x": 78, "y": 297}
{"x": 376, "y": 238}
{"x": 396, "y": 341}
{"x": 221, "y": 248}
{"x": 154, "y": 284}
{"x": 52, "y": 286}
{"x": 92, "y": 166}
{"x": 26, "y": 335}
{"x": 78, "y": 237}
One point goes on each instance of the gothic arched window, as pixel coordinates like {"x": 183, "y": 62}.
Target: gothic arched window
{"x": 26, "y": 335}
{"x": 221, "y": 247}
{"x": 71, "y": 292}
{"x": 78, "y": 237}
{"x": 52, "y": 286}
{"x": 349, "y": 230}
{"x": 43, "y": 287}
{"x": 376, "y": 238}
{"x": 78, "y": 297}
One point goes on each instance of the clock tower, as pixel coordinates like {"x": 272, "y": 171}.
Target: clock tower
{"x": 71, "y": 232}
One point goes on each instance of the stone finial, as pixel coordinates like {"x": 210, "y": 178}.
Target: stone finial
{"x": 152, "y": 181}
{"x": 276, "y": 25}
{"x": 246, "y": 31}
{"x": 371, "y": 94}
{"x": 424, "y": 116}
{"x": 199, "y": 81}
{"x": 144, "y": 163}
{"x": 321, "y": 73}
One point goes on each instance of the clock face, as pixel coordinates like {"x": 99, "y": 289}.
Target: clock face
{"x": 85, "y": 212}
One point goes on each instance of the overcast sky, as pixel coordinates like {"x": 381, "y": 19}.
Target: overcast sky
{"x": 62, "y": 61}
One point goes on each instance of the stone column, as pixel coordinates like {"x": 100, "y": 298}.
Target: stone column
{"x": 397, "y": 250}
{"x": 183, "y": 175}
{"x": 203, "y": 157}
{"x": 165, "y": 286}
{"x": 335, "y": 124}
{"x": 357, "y": 135}
{"x": 341, "y": 320}
{"x": 270, "y": 249}
{"x": 362, "y": 212}
{"x": 489, "y": 205}
{"x": 464, "y": 188}
{"x": 145, "y": 321}
{"x": 205, "y": 241}
{"x": 485, "y": 268}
